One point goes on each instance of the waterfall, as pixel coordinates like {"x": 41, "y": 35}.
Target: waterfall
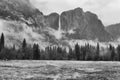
{"x": 58, "y": 33}
{"x": 59, "y": 29}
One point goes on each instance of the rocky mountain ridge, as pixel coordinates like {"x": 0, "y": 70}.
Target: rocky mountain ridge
{"x": 19, "y": 20}
{"x": 114, "y": 30}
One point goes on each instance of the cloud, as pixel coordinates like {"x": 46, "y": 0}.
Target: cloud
{"x": 107, "y": 10}
{"x": 49, "y": 6}
{"x": 110, "y": 13}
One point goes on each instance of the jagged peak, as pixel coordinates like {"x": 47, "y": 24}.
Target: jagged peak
{"x": 78, "y": 9}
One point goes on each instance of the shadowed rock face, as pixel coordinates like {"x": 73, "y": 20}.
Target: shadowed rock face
{"x": 86, "y": 25}
{"x": 52, "y": 20}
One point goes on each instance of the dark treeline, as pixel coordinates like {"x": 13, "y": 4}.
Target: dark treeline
{"x": 82, "y": 53}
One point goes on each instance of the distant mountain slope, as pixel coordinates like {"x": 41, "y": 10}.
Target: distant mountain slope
{"x": 114, "y": 30}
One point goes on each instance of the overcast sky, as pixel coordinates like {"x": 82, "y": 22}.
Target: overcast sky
{"x": 107, "y": 10}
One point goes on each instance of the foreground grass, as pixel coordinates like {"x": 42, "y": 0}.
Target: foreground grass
{"x": 59, "y": 70}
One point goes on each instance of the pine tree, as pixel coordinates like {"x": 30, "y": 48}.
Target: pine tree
{"x": 112, "y": 52}
{"x": 97, "y": 52}
{"x": 118, "y": 52}
{"x": 24, "y": 49}
{"x": 77, "y": 51}
{"x": 24, "y": 44}
{"x": 2, "y": 42}
{"x": 36, "y": 52}
{"x": 71, "y": 55}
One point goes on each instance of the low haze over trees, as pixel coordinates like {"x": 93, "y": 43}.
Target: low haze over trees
{"x": 80, "y": 53}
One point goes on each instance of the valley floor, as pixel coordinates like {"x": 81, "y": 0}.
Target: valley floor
{"x": 59, "y": 70}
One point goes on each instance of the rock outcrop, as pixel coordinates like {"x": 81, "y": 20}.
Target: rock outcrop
{"x": 72, "y": 19}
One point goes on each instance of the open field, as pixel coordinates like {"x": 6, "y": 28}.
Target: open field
{"x": 59, "y": 70}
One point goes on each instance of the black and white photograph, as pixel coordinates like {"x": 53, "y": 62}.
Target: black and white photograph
{"x": 59, "y": 39}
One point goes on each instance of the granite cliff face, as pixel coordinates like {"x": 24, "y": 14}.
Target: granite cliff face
{"x": 72, "y": 19}
{"x": 85, "y": 25}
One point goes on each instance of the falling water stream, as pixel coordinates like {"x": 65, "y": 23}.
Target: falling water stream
{"x": 59, "y": 31}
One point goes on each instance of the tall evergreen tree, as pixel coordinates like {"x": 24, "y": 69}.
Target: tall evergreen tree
{"x": 24, "y": 44}
{"x": 77, "y": 51}
{"x": 70, "y": 55}
{"x": 118, "y": 52}
{"x": 24, "y": 49}
{"x": 112, "y": 52}
{"x": 2, "y": 42}
{"x": 36, "y": 52}
{"x": 97, "y": 52}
